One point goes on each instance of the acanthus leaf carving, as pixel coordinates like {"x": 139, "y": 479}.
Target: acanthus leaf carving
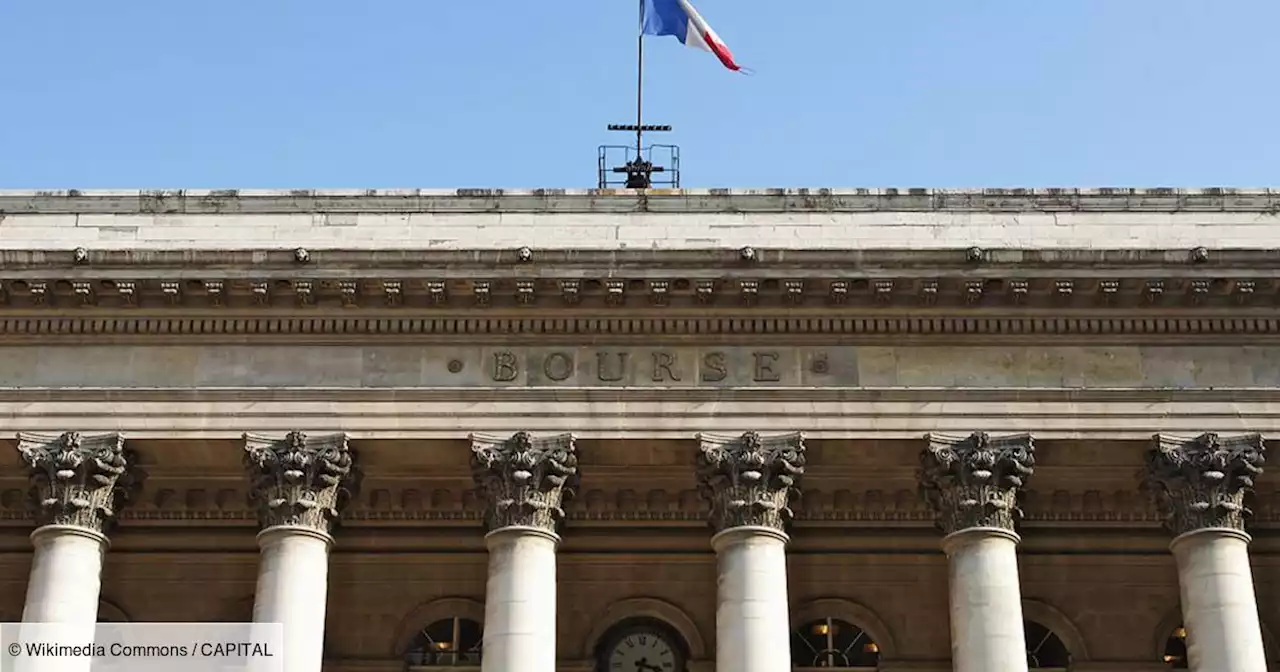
{"x": 79, "y": 480}
{"x": 525, "y": 480}
{"x": 750, "y": 479}
{"x": 1200, "y": 482}
{"x": 300, "y": 480}
{"x": 975, "y": 481}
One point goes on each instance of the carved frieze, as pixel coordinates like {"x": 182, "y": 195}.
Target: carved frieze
{"x": 79, "y": 480}
{"x": 300, "y": 480}
{"x": 749, "y": 479}
{"x": 1200, "y": 482}
{"x": 524, "y": 480}
{"x": 975, "y": 480}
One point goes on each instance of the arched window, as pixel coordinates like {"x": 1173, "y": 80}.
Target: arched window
{"x": 449, "y": 642}
{"x": 1045, "y": 650}
{"x": 1175, "y": 649}
{"x": 830, "y": 642}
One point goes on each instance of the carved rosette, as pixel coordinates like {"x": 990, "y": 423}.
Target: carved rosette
{"x": 79, "y": 480}
{"x": 1200, "y": 482}
{"x": 975, "y": 480}
{"x": 525, "y": 480}
{"x": 750, "y": 479}
{"x": 300, "y": 480}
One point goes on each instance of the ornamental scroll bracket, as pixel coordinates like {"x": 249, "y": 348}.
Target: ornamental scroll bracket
{"x": 1200, "y": 482}
{"x": 79, "y": 480}
{"x": 525, "y": 480}
{"x": 750, "y": 479}
{"x": 975, "y": 480}
{"x": 300, "y": 480}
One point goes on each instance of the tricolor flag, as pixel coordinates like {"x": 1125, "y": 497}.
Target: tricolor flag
{"x": 679, "y": 18}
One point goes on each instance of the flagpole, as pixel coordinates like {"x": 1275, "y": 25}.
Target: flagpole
{"x": 640, "y": 85}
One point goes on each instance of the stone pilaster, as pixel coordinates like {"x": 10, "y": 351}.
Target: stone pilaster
{"x": 300, "y": 480}
{"x": 972, "y": 484}
{"x": 974, "y": 481}
{"x": 1200, "y": 482}
{"x": 525, "y": 480}
{"x": 750, "y": 479}
{"x": 77, "y": 480}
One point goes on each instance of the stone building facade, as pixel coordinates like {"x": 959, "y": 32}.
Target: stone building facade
{"x": 743, "y": 431}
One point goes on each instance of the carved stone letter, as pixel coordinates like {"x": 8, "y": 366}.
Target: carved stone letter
{"x": 1200, "y": 482}
{"x": 300, "y": 480}
{"x": 526, "y": 480}
{"x": 749, "y": 479}
{"x": 974, "y": 481}
{"x": 79, "y": 480}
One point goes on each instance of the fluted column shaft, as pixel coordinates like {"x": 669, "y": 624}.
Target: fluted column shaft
{"x": 525, "y": 481}
{"x": 749, "y": 481}
{"x": 298, "y": 485}
{"x": 972, "y": 484}
{"x": 1200, "y": 482}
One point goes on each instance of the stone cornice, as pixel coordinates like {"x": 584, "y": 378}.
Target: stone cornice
{"x": 231, "y": 201}
{"x": 487, "y": 287}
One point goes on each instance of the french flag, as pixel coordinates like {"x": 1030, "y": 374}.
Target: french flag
{"x": 679, "y": 18}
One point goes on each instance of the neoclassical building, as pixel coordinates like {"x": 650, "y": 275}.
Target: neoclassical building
{"x": 686, "y": 431}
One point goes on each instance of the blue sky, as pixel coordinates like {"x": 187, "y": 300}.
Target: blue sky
{"x": 516, "y": 93}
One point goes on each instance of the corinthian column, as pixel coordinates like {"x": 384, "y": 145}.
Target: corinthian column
{"x": 972, "y": 484}
{"x": 78, "y": 484}
{"x": 1200, "y": 482}
{"x": 749, "y": 481}
{"x": 298, "y": 484}
{"x": 525, "y": 480}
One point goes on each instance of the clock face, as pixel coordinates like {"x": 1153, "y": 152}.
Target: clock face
{"x": 643, "y": 651}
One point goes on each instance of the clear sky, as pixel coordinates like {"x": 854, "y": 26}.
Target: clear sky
{"x": 516, "y": 93}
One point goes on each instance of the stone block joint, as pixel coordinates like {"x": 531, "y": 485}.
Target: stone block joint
{"x": 78, "y": 480}
{"x": 1200, "y": 482}
{"x": 976, "y": 480}
{"x": 300, "y": 480}
{"x": 750, "y": 479}
{"x": 525, "y": 480}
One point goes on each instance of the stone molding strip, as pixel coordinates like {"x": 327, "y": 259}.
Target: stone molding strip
{"x": 510, "y": 330}
{"x": 230, "y": 201}
{"x": 549, "y": 410}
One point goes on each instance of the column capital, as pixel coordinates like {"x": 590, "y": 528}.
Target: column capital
{"x": 300, "y": 480}
{"x": 1199, "y": 482}
{"x": 974, "y": 480}
{"x": 526, "y": 479}
{"x": 749, "y": 479}
{"x": 79, "y": 480}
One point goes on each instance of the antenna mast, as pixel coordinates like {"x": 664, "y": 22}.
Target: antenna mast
{"x": 639, "y": 170}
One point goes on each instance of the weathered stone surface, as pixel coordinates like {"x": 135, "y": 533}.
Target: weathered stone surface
{"x": 389, "y": 366}
{"x": 975, "y": 480}
{"x": 300, "y": 480}
{"x": 525, "y": 479}
{"x": 849, "y": 219}
{"x": 1200, "y": 482}
{"x": 749, "y": 479}
{"x": 79, "y": 480}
